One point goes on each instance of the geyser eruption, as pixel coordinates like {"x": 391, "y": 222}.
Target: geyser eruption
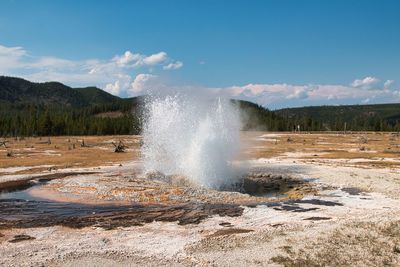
{"x": 191, "y": 137}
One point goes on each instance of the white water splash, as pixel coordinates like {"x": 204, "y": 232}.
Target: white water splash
{"x": 191, "y": 137}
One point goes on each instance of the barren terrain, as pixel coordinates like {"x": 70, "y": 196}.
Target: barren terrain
{"x": 320, "y": 199}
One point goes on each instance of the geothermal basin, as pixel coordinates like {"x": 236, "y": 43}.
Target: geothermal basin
{"x": 295, "y": 198}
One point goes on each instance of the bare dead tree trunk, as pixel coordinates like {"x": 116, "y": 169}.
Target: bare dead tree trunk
{"x": 4, "y": 143}
{"x": 120, "y": 147}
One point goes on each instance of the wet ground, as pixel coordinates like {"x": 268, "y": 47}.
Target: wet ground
{"x": 16, "y": 213}
{"x": 21, "y": 207}
{"x": 21, "y": 189}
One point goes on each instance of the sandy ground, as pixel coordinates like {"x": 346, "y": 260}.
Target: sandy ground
{"x": 344, "y": 212}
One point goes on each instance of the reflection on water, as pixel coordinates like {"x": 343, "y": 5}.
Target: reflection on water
{"x": 22, "y": 192}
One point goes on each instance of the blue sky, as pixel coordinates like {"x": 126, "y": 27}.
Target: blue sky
{"x": 276, "y": 53}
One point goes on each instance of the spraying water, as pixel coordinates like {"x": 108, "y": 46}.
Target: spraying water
{"x": 194, "y": 137}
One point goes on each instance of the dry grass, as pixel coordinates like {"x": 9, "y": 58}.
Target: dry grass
{"x": 65, "y": 152}
{"x": 379, "y": 149}
{"x": 376, "y": 147}
{"x": 359, "y": 244}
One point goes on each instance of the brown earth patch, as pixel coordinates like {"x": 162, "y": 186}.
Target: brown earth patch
{"x": 230, "y": 231}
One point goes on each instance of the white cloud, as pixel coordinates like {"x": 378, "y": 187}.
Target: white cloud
{"x": 332, "y": 97}
{"x": 256, "y": 89}
{"x": 113, "y": 88}
{"x": 155, "y": 58}
{"x": 16, "y": 51}
{"x": 284, "y": 95}
{"x": 129, "y": 74}
{"x": 10, "y": 58}
{"x": 388, "y": 84}
{"x": 114, "y": 74}
{"x": 130, "y": 60}
{"x": 298, "y": 94}
{"x": 366, "y": 83}
{"x": 141, "y": 83}
{"x": 173, "y": 66}
{"x": 270, "y": 92}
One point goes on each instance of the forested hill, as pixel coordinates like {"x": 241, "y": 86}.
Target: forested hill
{"x": 378, "y": 117}
{"x": 52, "y": 108}
{"x": 22, "y": 92}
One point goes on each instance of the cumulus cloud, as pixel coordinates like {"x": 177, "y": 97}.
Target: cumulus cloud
{"x": 271, "y": 93}
{"x": 131, "y": 60}
{"x": 173, "y": 66}
{"x": 258, "y": 89}
{"x": 127, "y": 59}
{"x": 128, "y": 74}
{"x": 388, "y": 84}
{"x": 142, "y": 82}
{"x": 366, "y": 83}
{"x": 286, "y": 95}
{"x": 113, "y": 88}
{"x": 113, "y": 75}
{"x": 155, "y": 58}
{"x": 298, "y": 94}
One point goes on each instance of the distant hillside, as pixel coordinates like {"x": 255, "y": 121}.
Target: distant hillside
{"x": 256, "y": 117}
{"x": 357, "y": 117}
{"x": 20, "y": 91}
{"x": 52, "y": 108}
